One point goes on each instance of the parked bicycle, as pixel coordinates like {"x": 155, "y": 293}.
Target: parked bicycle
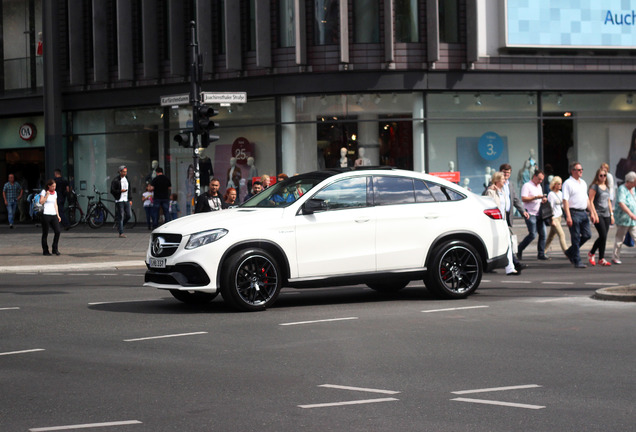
{"x": 74, "y": 211}
{"x": 97, "y": 213}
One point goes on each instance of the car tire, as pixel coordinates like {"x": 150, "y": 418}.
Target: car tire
{"x": 388, "y": 287}
{"x": 455, "y": 270}
{"x": 193, "y": 297}
{"x": 251, "y": 280}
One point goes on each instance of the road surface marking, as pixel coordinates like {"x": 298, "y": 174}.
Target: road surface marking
{"x": 518, "y": 281}
{"x": 356, "y": 402}
{"x": 454, "y": 309}
{"x": 493, "y": 389}
{"x": 165, "y": 336}
{"x": 558, "y": 283}
{"x": 21, "y": 352}
{"x": 106, "y": 274}
{"x": 124, "y": 301}
{"x": 318, "y": 321}
{"x": 85, "y": 426}
{"x": 10, "y": 308}
{"x": 490, "y": 402}
{"x": 601, "y": 283}
{"x": 361, "y": 389}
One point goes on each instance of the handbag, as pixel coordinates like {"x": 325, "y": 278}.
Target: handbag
{"x": 628, "y": 241}
{"x": 545, "y": 212}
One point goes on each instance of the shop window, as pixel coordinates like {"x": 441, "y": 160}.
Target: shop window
{"x": 406, "y": 22}
{"x": 326, "y": 22}
{"x": 449, "y": 21}
{"x": 286, "y": 24}
{"x": 393, "y": 190}
{"x": 396, "y": 141}
{"x": 337, "y": 142}
{"x": 367, "y": 21}
{"x": 21, "y": 33}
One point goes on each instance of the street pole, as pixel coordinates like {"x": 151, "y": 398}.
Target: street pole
{"x": 195, "y": 78}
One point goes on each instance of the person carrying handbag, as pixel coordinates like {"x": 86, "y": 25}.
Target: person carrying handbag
{"x": 555, "y": 198}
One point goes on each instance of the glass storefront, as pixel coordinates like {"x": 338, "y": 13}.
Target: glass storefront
{"x": 22, "y": 43}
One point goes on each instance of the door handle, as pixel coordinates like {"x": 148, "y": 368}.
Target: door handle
{"x": 362, "y": 220}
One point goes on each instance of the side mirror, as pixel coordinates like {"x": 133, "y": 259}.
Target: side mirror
{"x": 313, "y": 205}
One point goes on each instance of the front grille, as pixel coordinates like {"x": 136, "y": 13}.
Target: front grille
{"x": 187, "y": 274}
{"x": 164, "y": 245}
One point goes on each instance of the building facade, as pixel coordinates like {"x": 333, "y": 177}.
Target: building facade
{"x": 428, "y": 85}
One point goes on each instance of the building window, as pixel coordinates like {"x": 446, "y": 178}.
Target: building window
{"x": 406, "y": 24}
{"x": 326, "y": 22}
{"x": 21, "y": 27}
{"x": 286, "y": 27}
{"x": 449, "y": 21}
{"x": 218, "y": 13}
{"x": 367, "y": 21}
{"x": 252, "y": 26}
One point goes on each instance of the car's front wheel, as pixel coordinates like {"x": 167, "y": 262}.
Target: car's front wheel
{"x": 193, "y": 297}
{"x": 455, "y": 270}
{"x": 251, "y": 280}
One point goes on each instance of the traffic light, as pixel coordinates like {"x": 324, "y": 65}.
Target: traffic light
{"x": 206, "y": 125}
{"x": 183, "y": 139}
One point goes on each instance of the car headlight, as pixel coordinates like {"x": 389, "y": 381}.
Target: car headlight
{"x": 205, "y": 237}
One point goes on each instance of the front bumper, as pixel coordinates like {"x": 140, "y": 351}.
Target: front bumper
{"x": 186, "y": 275}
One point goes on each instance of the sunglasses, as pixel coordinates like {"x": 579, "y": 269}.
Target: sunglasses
{"x": 602, "y": 175}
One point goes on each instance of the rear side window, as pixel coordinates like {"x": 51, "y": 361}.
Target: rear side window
{"x": 442, "y": 193}
{"x": 422, "y": 192}
{"x": 393, "y": 190}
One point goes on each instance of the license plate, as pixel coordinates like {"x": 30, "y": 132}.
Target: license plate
{"x": 158, "y": 262}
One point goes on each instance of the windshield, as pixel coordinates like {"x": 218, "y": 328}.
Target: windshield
{"x": 284, "y": 193}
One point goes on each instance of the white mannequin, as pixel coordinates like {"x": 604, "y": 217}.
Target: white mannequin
{"x": 362, "y": 161}
{"x": 343, "y": 162}
{"x": 253, "y": 169}
{"x": 465, "y": 183}
{"x": 153, "y": 172}
{"x": 487, "y": 176}
{"x": 451, "y": 166}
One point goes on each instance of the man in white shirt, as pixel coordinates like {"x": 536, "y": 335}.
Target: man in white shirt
{"x": 532, "y": 197}
{"x": 575, "y": 204}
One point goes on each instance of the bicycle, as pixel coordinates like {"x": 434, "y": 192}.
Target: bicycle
{"x": 98, "y": 214}
{"x": 74, "y": 211}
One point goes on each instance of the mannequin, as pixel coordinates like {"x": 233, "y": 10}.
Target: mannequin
{"x": 487, "y": 176}
{"x": 362, "y": 161}
{"x": 153, "y": 172}
{"x": 343, "y": 162}
{"x": 234, "y": 175}
{"x": 451, "y": 166}
{"x": 253, "y": 169}
{"x": 465, "y": 183}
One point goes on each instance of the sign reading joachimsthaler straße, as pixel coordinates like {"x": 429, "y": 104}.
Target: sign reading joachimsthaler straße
{"x": 224, "y": 98}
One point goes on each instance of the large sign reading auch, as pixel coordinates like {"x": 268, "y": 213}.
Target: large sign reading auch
{"x": 570, "y": 24}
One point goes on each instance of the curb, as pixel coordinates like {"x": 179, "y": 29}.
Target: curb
{"x": 112, "y": 265}
{"x": 625, "y": 293}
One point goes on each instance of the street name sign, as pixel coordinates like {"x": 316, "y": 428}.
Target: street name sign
{"x": 224, "y": 98}
{"x": 180, "y": 99}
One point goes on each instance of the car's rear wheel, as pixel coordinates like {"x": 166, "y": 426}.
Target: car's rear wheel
{"x": 193, "y": 297}
{"x": 251, "y": 280}
{"x": 388, "y": 286}
{"x": 455, "y": 270}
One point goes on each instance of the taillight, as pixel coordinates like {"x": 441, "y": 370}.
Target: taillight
{"x": 493, "y": 213}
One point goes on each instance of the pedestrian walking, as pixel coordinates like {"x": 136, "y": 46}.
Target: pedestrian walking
{"x": 555, "y": 198}
{"x": 575, "y": 204}
{"x": 119, "y": 188}
{"x": 11, "y": 192}
{"x": 50, "y": 218}
{"x": 512, "y": 202}
{"x": 625, "y": 213}
{"x": 532, "y": 197}
{"x": 602, "y": 217}
{"x": 161, "y": 187}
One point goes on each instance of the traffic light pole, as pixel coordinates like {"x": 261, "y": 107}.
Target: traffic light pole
{"x": 195, "y": 80}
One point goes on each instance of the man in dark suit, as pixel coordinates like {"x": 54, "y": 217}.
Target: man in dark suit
{"x": 512, "y": 202}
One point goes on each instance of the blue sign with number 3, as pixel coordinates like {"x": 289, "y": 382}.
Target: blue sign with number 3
{"x": 490, "y": 146}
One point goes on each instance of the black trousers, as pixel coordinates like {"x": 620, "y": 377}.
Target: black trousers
{"x": 54, "y": 223}
{"x": 602, "y": 227}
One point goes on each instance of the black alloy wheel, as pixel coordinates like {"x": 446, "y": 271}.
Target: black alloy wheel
{"x": 455, "y": 270}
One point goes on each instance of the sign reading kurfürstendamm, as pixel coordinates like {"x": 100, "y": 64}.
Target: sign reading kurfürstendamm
{"x": 570, "y": 24}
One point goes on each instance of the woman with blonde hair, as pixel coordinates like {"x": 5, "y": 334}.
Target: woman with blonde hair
{"x": 555, "y": 198}
{"x": 602, "y": 217}
{"x": 495, "y": 191}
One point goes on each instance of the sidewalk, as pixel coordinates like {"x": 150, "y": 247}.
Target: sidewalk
{"x": 81, "y": 248}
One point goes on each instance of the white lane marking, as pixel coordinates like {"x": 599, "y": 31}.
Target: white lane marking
{"x": 318, "y": 321}
{"x": 518, "y": 281}
{"x": 10, "y": 308}
{"x": 361, "y": 389}
{"x": 78, "y": 274}
{"x": 106, "y": 274}
{"x": 85, "y": 426}
{"x": 165, "y": 336}
{"x": 356, "y": 402}
{"x": 550, "y": 300}
{"x": 454, "y": 309}
{"x": 493, "y": 389}
{"x": 490, "y": 402}
{"x": 486, "y": 280}
{"x": 558, "y": 283}
{"x": 601, "y": 283}
{"x": 22, "y": 352}
{"x": 124, "y": 301}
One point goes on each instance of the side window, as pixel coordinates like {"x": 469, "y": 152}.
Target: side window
{"x": 422, "y": 193}
{"x": 442, "y": 193}
{"x": 393, "y": 190}
{"x": 347, "y": 193}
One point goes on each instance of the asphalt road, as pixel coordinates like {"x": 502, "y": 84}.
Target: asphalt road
{"x": 96, "y": 351}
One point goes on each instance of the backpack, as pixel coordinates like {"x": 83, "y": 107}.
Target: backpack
{"x": 37, "y": 207}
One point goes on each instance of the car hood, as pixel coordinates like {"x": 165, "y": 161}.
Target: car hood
{"x": 230, "y": 218}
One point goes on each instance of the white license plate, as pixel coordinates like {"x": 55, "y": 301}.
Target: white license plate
{"x": 158, "y": 262}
